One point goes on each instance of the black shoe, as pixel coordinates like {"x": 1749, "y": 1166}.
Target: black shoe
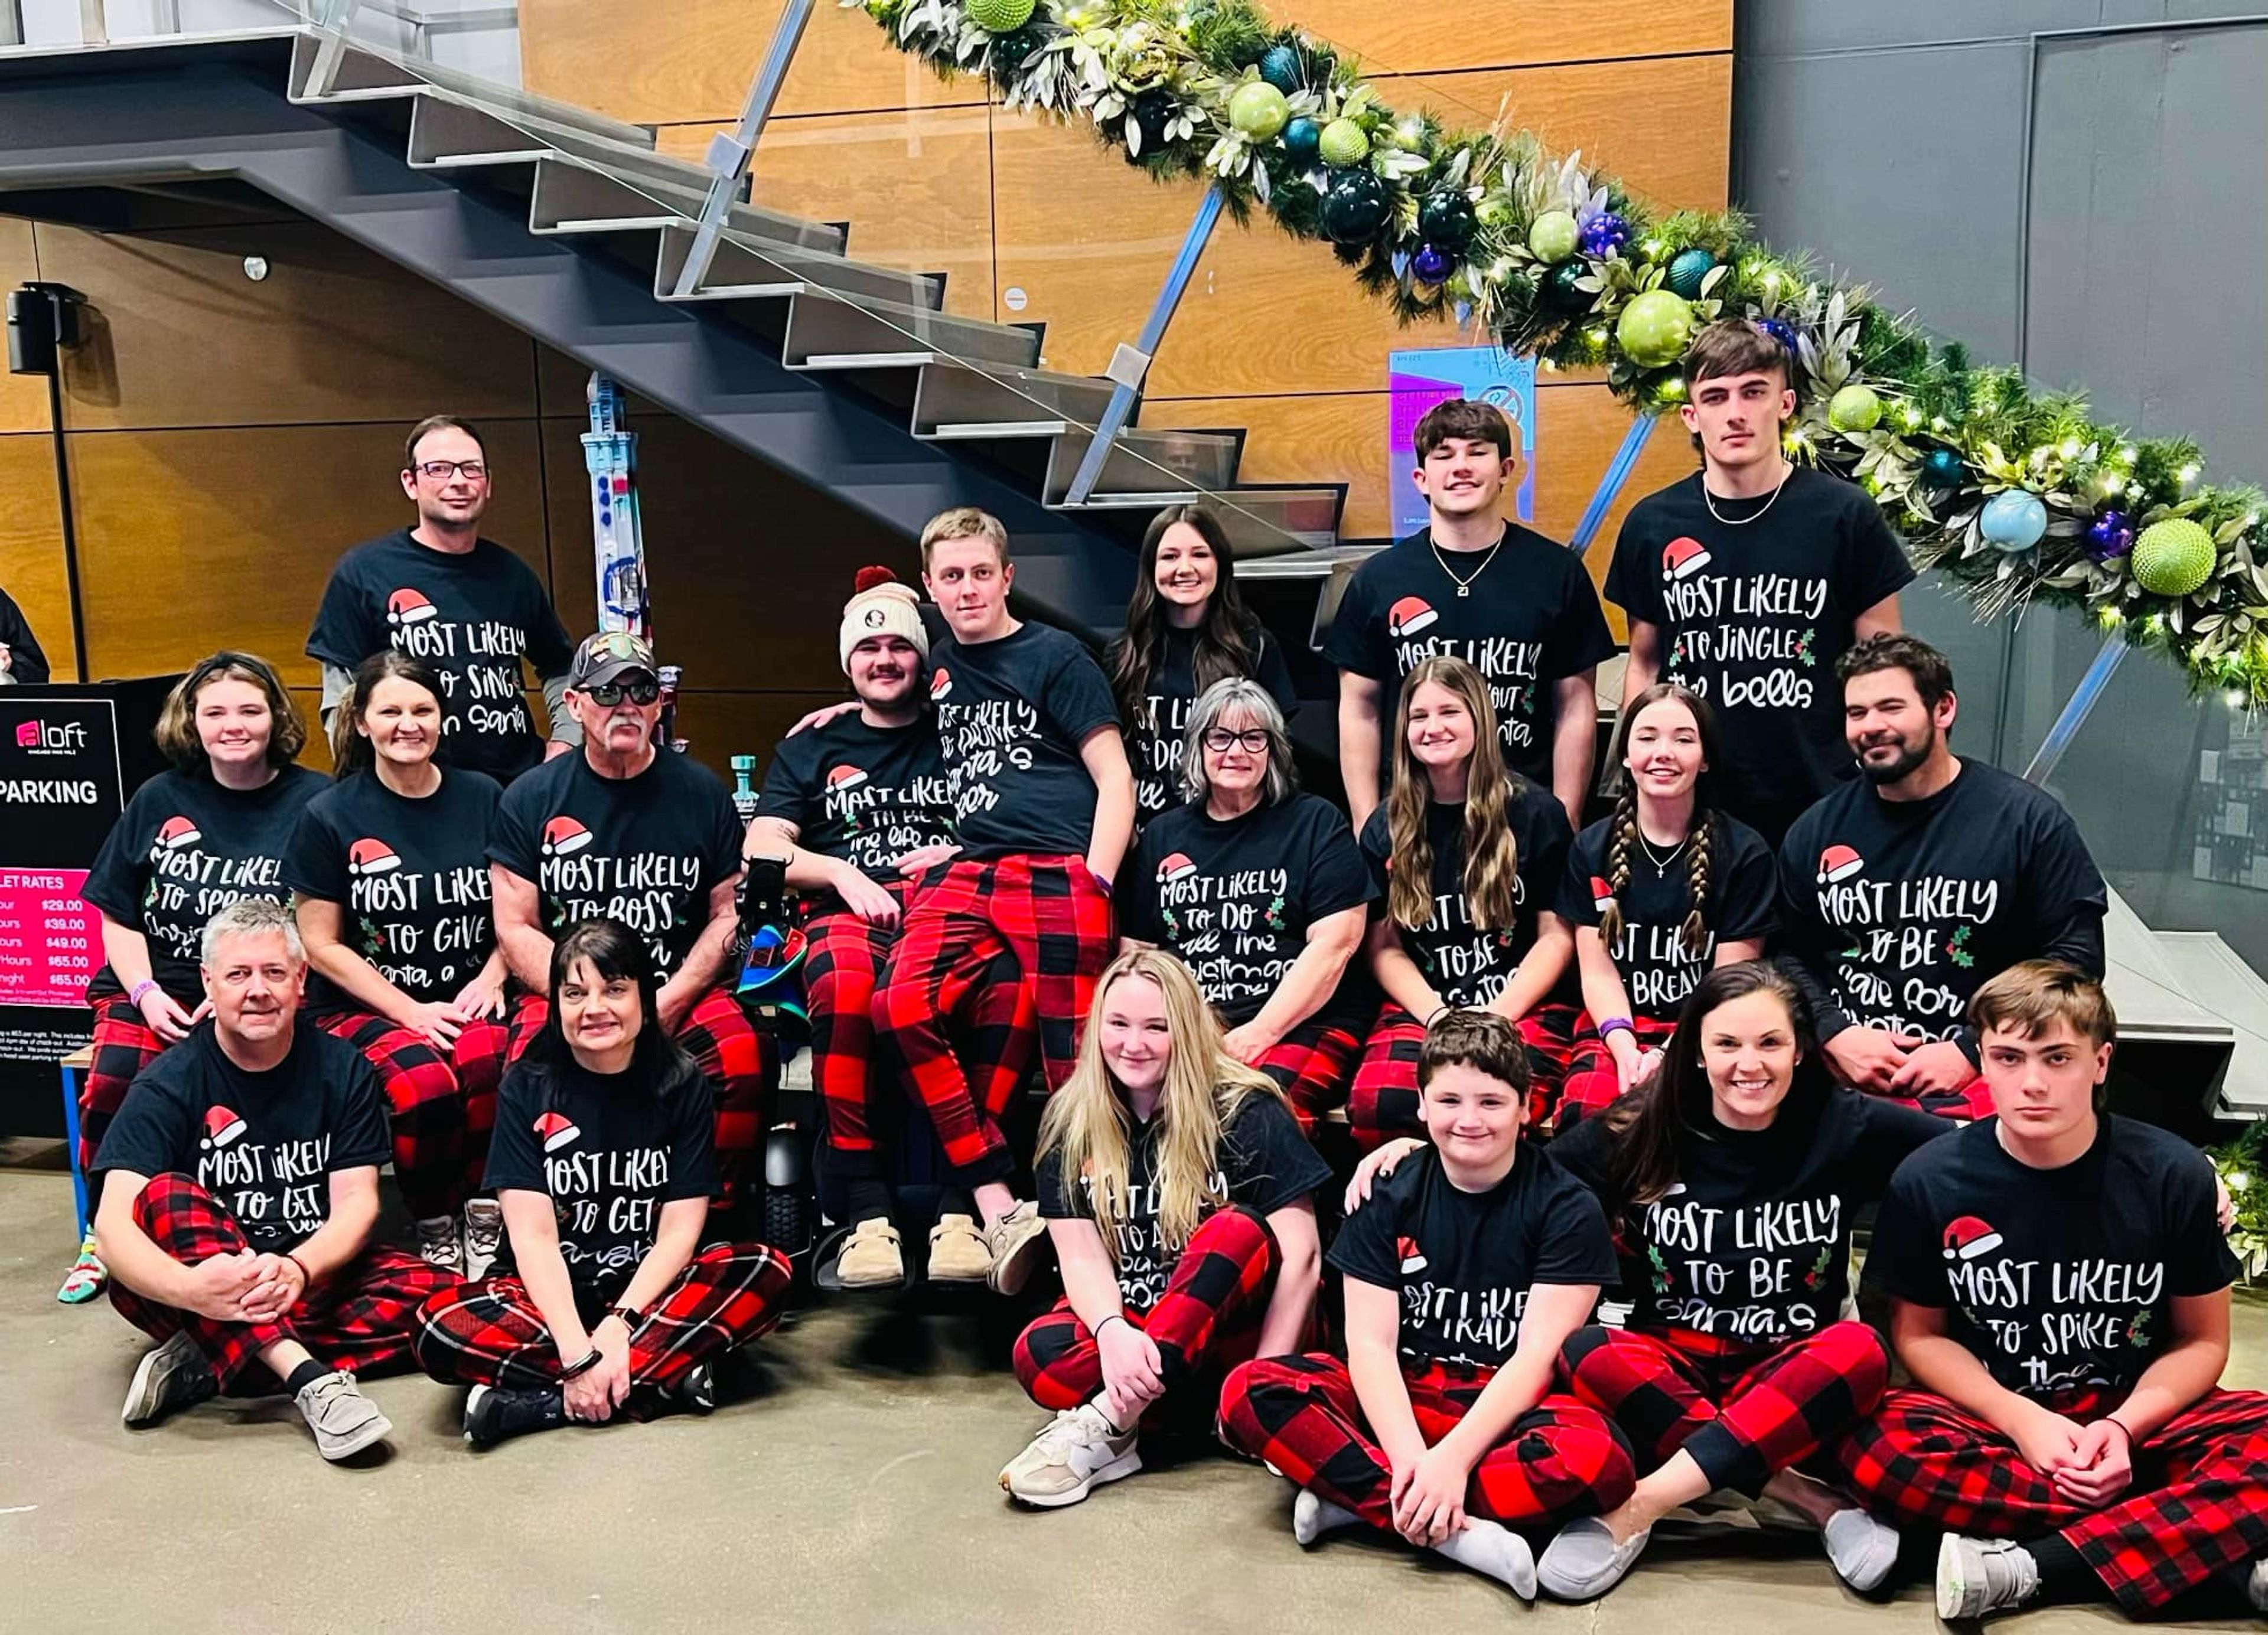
{"x": 697, "y": 1392}
{"x": 492, "y": 1416}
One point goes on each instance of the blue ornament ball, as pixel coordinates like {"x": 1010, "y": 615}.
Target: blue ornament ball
{"x": 2013, "y": 520}
{"x": 1686, "y": 269}
{"x": 1303, "y": 142}
{"x": 1779, "y": 329}
{"x": 1604, "y": 233}
{"x": 1943, "y": 468}
{"x": 1431, "y": 265}
{"x": 1279, "y": 66}
{"x": 2109, "y": 535}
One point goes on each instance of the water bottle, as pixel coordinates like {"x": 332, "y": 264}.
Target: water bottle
{"x": 744, "y": 788}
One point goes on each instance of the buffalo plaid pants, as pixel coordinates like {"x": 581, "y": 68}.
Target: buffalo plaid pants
{"x": 124, "y": 1046}
{"x": 1314, "y": 1066}
{"x": 743, "y": 1071}
{"x": 1593, "y": 1082}
{"x": 1300, "y": 1417}
{"x": 491, "y": 1333}
{"x": 1743, "y": 1418}
{"x": 1205, "y": 1322}
{"x": 442, "y": 1108}
{"x": 1971, "y": 1101}
{"x": 360, "y": 1318}
{"x": 2196, "y": 1511}
{"x": 1385, "y": 1100}
{"x": 1049, "y": 915}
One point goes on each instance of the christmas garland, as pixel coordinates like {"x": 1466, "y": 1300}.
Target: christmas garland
{"x": 2243, "y": 1166}
{"x": 2017, "y": 495}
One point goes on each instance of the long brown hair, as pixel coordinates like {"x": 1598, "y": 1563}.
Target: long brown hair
{"x": 1700, "y": 834}
{"x": 176, "y": 732}
{"x": 350, "y": 752}
{"x": 1228, "y": 637}
{"x": 1491, "y": 856}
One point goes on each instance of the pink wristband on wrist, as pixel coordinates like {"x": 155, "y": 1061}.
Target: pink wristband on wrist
{"x": 134, "y": 995}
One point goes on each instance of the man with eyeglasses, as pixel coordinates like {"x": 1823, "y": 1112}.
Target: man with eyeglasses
{"x": 626, "y": 830}
{"x": 466, "y": 605}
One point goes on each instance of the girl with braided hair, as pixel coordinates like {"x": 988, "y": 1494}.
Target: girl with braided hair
{"x": 1659, "y": 892}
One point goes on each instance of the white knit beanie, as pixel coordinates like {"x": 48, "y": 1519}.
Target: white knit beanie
{"x": 882, "y": 606}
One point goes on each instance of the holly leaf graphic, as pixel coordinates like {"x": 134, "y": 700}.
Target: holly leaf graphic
{"x": 1804, "y": 655}
{"x": 1959, "y": 947}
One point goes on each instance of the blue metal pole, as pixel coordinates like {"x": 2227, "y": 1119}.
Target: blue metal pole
{"x": 1131, "y": 363}
{"x": 730, "y": 151}
{"x": 2076, "y": 708}
{"x": 1618, "y": 474}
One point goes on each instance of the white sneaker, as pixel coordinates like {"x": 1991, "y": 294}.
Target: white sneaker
{"x": 2255, "y": 1587}
{"x": 484, "y": 1236}
{"x": 344, "y": 1420}
{"x": 439, "y": 1244}
{"x": 170, "y": 1376}
{"x": 1069, "y": 1458}
{"x": 1861, "y": 1550}
{"x": 1976, "y": 1576}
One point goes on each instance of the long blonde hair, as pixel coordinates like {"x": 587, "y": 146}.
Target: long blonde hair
{"x": 1491, "y": 854}
{"x": 1088, "y": 1123}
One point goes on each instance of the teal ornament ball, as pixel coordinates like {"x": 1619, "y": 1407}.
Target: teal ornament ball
{"x": 1553, "y": 235}
{"x": 2174, "y": 557}
{"x": 999, "y": 17}
{"x": 1686, "y": 269}
{"x": 1446, "y": 219}
{"x": 1151, "y": 113}
{"x": 1558, "y": 289}
{"x": 1943, "y": 468}
{"x": 1854, "y": 409}
{"x": 1257, "y": 110}
{"x": 1355, "y": 206}
{"x": 1303, "y": 142}
{"x": 1280, "y": 67}
{"x": 2013, "y": 520}
{"x": 1344, "y": 144}
{"x": 1654, "y": 328}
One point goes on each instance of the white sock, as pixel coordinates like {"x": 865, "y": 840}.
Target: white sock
{"x": 1495, "y": 1549}
{"x": 1313, "y": 1516}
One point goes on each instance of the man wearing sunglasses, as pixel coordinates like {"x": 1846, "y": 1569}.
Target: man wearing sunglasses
{"x": 623, "y": 830}
{"x": 466, "y": 605}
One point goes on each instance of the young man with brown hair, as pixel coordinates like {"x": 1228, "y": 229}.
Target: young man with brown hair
{"x": 2060, "y": 1290}
{"x": 1518, "y": 607}
{"x": 1747, "y": 580}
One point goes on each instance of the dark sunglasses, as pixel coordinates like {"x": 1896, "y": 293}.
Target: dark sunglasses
{"x": 606, "y": 695}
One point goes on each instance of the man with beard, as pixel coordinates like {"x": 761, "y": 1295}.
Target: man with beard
{"x": 1910, "y": 889}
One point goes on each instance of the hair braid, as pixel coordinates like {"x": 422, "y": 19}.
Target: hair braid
{"x": 1618, "y": 868}
{"x": 1695, "y": 932}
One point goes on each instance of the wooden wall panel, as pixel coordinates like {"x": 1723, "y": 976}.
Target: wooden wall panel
{"x": 332, "y": 334}
{"x": 188, "y": 539}
{"x": 32, "y": 567}
{"x": 1389, "y": 38}
{"x": 722, "y": 725}
{"x": 916, "y": 185}
{"x": 692, "y": 60}
{"x": 22, "y": 398}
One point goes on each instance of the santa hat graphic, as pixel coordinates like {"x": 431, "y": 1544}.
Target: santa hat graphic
{"x": 371, "y": 857}
{"x": 1176, "y": 867}
{"x": 845, "y": 778}
{"x": 221, "y": 1126}
{"x": 176, "y": 833}
{"x": 1968, "y": 1237}
{"x": 1413, "y": 1259}
{"x": 1838, "y": 863}
{"x": 1683, "y": 557}
{"x": 1603, "y": 895}
{"x": 556, "y": 1130}
{"x": 562, "y": 835}
{"x": 1408, "y": 616}
{"x": 406, "y": 607}
{"x": 940, "y": 682}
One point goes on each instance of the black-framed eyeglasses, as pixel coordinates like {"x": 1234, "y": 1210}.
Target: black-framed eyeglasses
{"x": 441, "y": 471}
{"x": 606, "y": 695}
{"x": 1220, "y": 740}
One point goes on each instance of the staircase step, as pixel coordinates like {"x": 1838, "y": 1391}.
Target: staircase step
{"x": 1165, "y": 463}
{"x": 1320, "y": 563}
{"x": 364, "y": 75}
{"x": 573, "y": 197}
{"x": 742, "y": 269}
{"x": 827, "y": 325}
{"x": 448, "y": 132}
{"x": 1259, "y": 522}
{"x": 952, "y": 393}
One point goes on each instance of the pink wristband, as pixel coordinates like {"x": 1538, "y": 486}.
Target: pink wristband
{"x": 134, "y": 995}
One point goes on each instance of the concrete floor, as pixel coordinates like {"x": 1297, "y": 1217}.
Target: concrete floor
{"x": 845, "y": 1495}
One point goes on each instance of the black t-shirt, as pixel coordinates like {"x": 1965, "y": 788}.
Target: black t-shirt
{"x": 184, "y": 848}
{"x": 265, "y": 1145}
{"x": 473, "y": 617}
{"x": 1531, "y": 618}
{"x": 646, "y": 850}
{"x": 1464, "y": 1262}
{"x": 1236, "y": 899}
{"x": 2055, "y": 1279}
{"x": 25, "y": 661}
{"x": 866, "y": 794}
{"x": 1753, "y": 617}
{"x": 1656, "y": 969}
{"x": 1751, "y": 1247}
{"x": 1466, "y": 965}
{"x": 1156, "y": 738}
{"x": 1905, "y": 908}
{"x": 1262, "y": 1162}
{"x": 1011, "y": 715}
{"x": 410, "y": 878}
{"x": 609, "y": 1150}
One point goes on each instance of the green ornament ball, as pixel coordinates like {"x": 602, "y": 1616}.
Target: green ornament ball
{"x": 1257, "y": 110}
{"x": 1494, "y": 210}
{"x": 1854, "y": 409}
{"x": 1654, "y": 328}
{"x": 1553, "y": 235}
{"x": 1000, "y": 16}
{"x": 1343, "y": 142}
{"x": 1686, "y": 269}
{"x": 2173, "y": 557}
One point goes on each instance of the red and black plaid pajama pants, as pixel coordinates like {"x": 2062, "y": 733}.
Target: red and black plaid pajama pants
{"x": 1971, "y": 1101}
{"x": 2197, "y": 1509}
{"x": 1593, "y": 1082}
{"x": 124, "y": 1046}
{"x": 1300, "y": 1417}
{"x": 743, "y": 1071}
{"x": 1385, "y": 1100}
{"x": 491, "y": 1333}
{"x": 1743, "y": 1417}
{"x": 360, "y": 1318}
{"x": 442, "y": 1107}
{"x": 1314, "y": 1066}
{"x": 1052, "y": 918}
{"x": 1205, "y": 1323}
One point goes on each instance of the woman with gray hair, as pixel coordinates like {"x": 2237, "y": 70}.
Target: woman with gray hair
{"x": 1260, "y": 892}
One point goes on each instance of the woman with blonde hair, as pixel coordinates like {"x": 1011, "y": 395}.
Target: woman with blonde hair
{"x": 1469, "y": 857}
{"x": 1178, "y": 1192}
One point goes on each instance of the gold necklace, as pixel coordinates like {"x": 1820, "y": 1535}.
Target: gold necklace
{"x": 1465, "y": 585}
